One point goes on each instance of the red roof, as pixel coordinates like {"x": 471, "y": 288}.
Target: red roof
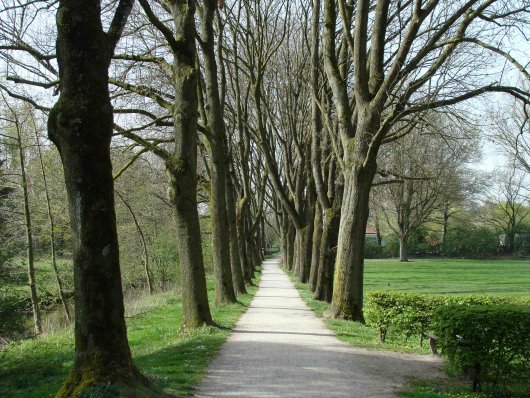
{"x": 370, "y": 230}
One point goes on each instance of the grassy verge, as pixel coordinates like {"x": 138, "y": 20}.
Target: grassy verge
{"x": 353, "y": 332}
{"x": 174, "y": 360}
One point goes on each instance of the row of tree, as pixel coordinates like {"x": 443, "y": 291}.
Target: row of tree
{"x": 292, "y": 107}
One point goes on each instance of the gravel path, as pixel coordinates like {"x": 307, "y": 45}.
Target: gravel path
{"x": 279, "y": 348}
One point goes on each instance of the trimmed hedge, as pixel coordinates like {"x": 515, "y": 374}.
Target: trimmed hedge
{"x": 489, "y": 342}
{"x": 412, "y": 313}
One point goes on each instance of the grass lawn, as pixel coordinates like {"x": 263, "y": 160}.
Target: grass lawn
{"x": 449, "y": 276}
{"x": 175, "y": 361}
{"x": 435, "y": 276}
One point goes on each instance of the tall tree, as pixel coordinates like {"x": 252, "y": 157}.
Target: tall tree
{"x": 216, "y": 137}
{"x": 400, "y": 53}
{"x": 80, "y": 125}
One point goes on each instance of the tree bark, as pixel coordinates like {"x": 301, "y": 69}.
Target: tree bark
{"x": 290, "y": 246}
{"x": 241, "y": 237}
{"x": 182, "y": 170}
{"x": 347, "y": 301}
{"x": 403, "y": 252}
{"x": 81, "y": 125}
{"x": 235, "y": 257}
{"x": 224, "y": 290}
{"x": 328, "y": 247}
{"x": 315, "y": 253}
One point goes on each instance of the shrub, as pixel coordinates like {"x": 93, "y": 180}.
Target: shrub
{"x": 412, "y": 313}
{"x": 405, "y": 313}
{"x": 490, "y": 342}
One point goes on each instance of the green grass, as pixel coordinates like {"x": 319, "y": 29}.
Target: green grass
{"x": 450, "y": 276}
{"x": 174, "y": 360}
{"x": 441, "y": 389}
{"x": 353, "y": 332}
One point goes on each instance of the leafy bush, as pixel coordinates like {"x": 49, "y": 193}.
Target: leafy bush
{"x": 405, "y": 313}
{"x": 373, "y": 250}
{"x": 490, "y": 342}
{"x": 412, "y": 313}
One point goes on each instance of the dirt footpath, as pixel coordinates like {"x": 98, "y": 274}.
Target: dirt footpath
{"x": 279, "y": 348}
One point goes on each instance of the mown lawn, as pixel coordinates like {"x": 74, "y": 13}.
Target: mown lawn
{"x": 450, "y": 276}
{"x": 174, "y": 360}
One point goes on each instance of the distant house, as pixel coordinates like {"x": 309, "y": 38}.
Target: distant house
{"x": 371, "y": 234}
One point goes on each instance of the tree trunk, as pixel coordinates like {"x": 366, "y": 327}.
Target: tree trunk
{"x": 235, "y": 259}
{"x": 328, "y": 248}
{"x": 224, "y": 289}
{"x": 315, "y": 254}
{"x": 52, "y": 233}
{"x": 403, "y": 252}
{"x": 305, "y": 251}
{"x": 378, "y": 231}
{"x": 37, "y": 324}
{"x": 290, "y": 247}
{"x": 182, "y": 172}
{"x": 347, "y": 301}
{"x": 81, "y": 125}
{"x": 241, "y": 237}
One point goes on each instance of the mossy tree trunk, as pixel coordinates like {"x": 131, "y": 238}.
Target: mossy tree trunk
{"x": 224, "y": 290}
{"x": 182, "y": 168}
{"x": 81, "y": 124}
{"x": 347, "y": 301}
{"x": 181, "y": 164}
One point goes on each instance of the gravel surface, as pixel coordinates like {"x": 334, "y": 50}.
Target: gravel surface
{"x": 279, "y": 348}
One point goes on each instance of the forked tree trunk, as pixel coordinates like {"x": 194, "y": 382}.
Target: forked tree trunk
{"x": 81, "y": 125}
{"x": 347, "y": 301}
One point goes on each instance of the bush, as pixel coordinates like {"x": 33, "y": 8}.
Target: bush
{"x": 404, "y": 313}
{"x": 373, "y": 250}
{"x": 490, "y": 342}
{"x": 412, "y": 313}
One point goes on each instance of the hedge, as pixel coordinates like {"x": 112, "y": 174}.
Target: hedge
{"x": 489, "y": 342}
{"x": 412, "y": 313}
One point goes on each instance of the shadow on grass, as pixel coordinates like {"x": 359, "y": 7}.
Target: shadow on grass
{"x": 179, "y": 367}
